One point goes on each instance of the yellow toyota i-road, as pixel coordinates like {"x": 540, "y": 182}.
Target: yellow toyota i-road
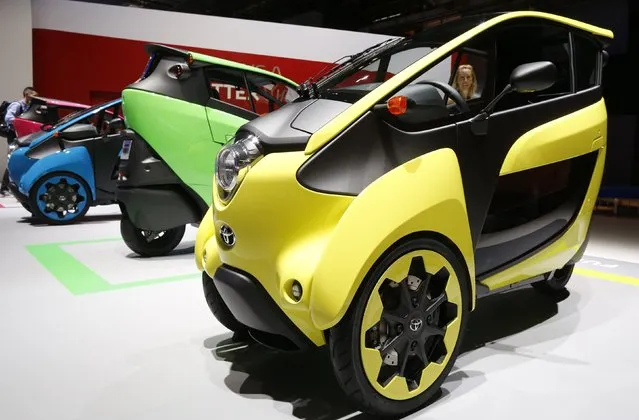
{"x": 405, "y": 183}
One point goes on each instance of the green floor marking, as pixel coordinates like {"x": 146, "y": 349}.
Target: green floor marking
{"x": 80, "y": 279}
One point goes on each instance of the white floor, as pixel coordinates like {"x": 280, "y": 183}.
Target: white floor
{"x": 153, "y": 350}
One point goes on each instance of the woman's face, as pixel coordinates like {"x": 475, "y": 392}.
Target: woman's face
{"x": 465, "y": 78}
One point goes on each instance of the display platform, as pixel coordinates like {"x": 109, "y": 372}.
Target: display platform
{"x": 91, "y": 331}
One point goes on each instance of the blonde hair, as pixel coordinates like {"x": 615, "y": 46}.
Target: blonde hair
{"x": 473, "y": 86}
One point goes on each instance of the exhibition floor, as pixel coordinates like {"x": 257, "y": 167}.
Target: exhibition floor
{"x": 88, "y": 331}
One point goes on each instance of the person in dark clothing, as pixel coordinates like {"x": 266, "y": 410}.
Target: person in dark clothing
{"x": 13, "y": 110}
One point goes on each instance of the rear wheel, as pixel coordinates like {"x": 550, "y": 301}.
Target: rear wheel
{"x": 401, "y": 336}
{"x": 556, "y": 283}
{"x": 149, "y": 243}
{"x": 219, "y": 308}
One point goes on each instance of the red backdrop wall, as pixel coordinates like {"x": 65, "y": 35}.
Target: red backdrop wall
{"x": 92, "y": 69}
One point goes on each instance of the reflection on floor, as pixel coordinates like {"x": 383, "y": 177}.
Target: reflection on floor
{"x": 139, "y": 348}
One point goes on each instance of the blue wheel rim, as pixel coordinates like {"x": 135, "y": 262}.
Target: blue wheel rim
{"x": 62, "y": 198}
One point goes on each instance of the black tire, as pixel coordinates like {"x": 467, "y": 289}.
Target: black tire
{"x": 556, "y": 284}
{"x": 26, "y": 207}
{"x": 344, "y": 339}
{"x": 218, "y": 307}
{"x": 135, "y": 240}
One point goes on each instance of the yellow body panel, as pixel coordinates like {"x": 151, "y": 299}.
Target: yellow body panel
{"x": 281, "y": 230}
{"x": 352, "y": 113}
{"x": 327, "y": 242}
{"x": 402, "y": 202}
{"x": 563, "y": 138}
{"x": 563, "y": 249}
{"x": 204, "y": 233}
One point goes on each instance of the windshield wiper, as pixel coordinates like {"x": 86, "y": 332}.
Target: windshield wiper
{"x": 310, "y": 88}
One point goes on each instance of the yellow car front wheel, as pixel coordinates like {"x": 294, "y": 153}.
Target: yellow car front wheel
{"x": 402, "y": 334}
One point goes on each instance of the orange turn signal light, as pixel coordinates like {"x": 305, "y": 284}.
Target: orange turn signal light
{"x": 397, "y": 105}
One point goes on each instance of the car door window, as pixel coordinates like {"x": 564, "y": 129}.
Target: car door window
{"x": 529, "y": 42}
{"x": 228, "y": 85}
{"x": 586, "y": 62}
{"x": 268, "y": 93}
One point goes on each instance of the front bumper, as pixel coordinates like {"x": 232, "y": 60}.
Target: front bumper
{"x": 252, "y": 306}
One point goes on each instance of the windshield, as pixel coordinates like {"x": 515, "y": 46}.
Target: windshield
{"x": 353, "y": 79}
{"x": 76, "y": 114}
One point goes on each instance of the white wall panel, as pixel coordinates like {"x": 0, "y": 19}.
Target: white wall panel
{"x": 247, "y": 36}
{"x": 16, "y": 61}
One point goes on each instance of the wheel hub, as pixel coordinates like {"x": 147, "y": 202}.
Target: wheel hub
{"x": 415, "y": 325}
{"x": 410, "y": 333}
{"x": 61, "y": 198}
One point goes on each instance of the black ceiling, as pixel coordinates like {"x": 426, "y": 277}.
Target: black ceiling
{"x": 381, "y": 16}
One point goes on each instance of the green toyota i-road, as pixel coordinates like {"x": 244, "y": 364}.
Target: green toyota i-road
{"x": 182, "y": 110}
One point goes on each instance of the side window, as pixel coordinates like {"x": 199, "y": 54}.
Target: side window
{"x": 228, "y": 85}
{"x": 527, "y": 43}
{"x": 586, "y": 54}
{"x": 269, "y": 94}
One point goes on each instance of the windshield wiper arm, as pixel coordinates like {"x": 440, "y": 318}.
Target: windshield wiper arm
{"x": 310, "y": 88}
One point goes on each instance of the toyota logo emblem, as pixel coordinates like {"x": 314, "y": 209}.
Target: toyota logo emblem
{"x": 415, "y": 324}
{"x": 227, "y": 235}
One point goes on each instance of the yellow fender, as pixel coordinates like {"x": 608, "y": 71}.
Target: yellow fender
{"x": 423, "y": 195}
{"x": 205, "y": 231}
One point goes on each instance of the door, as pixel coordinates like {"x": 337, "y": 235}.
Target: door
{"x": 525, "y": 181}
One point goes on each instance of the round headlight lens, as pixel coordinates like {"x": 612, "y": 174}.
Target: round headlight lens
{"x": 227, "y": 168}
{"x": 233, "y": 157}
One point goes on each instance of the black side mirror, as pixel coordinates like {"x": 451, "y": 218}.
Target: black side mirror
{"x": 533, "y": 77}
{"x": 114, "y": 126}
{"x": 525, "y": 78}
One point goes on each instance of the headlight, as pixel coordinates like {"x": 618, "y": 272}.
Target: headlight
{"x": 12, "y": 147}
{"x": 233, "y": 157}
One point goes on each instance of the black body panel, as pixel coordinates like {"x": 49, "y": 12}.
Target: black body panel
{"x": 105, "y": 153}
{"x": 371, "y": 147}
{"x": 191, "y": 89}
{"x": 275, "y": 129}
{"x": 47, "y": 118}
{"x": 152, "y": 196}
{"x": 47, "y": 147}
{"x": 252, "y": 306}
{"x": 143, "y": 167}
{"x": 317, "y": 114}
{"x": 158, "y": 208}
{"x": 25, "y": 141}
{"x": 40, "y": 111}
{"x": 367, "y": 150}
